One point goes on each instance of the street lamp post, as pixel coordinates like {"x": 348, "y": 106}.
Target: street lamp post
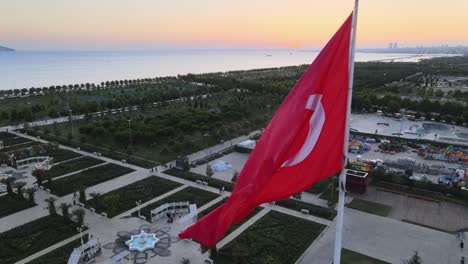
{"x": 80, "y": 229}
{"x": 138, "y": 203}
{"x": 71, "y": 121}
{"x": 130, "y": 134}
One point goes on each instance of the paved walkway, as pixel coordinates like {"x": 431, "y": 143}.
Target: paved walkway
{"x": 386, "y": 239}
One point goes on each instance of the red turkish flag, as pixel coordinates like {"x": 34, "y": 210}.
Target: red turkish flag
{"x": 302, "y": 144}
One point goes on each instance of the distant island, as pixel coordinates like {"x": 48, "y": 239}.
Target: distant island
{"x": 5, "y": 49}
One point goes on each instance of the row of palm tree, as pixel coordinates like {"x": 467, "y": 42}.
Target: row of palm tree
{"x": 77, "y": 214}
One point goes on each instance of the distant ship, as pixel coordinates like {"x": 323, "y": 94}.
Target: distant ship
{"x": 268, "y": 55}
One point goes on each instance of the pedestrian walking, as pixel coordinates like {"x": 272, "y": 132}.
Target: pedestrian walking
{"x": 462, "y": 261}
{"x": 462, "y": 244}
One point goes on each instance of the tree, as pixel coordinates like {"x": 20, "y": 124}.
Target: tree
{"x": 235, "y": 175}
{"x": 39, "y": 174}
{"x": 19, "y": 188}
{"x": 298, "y": 196}
{"x": 31, "y": 192}
{"x": 51, "y": 206}
{"x": 9, "y": 182}
{"x": 64, "y": 208}
{"x": 415, "y": 259}
{"x": 79, "y": 214}
{"x": 82, "y": 197}
{"x": 95, "y": 196}
{"x": 209, "y": 171}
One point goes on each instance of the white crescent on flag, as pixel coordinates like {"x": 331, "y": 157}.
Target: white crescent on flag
{"x": 316, "y": 122}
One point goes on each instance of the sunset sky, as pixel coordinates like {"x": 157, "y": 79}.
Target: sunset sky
{"x": 157, "y": 24}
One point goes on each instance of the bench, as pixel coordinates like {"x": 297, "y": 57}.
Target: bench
{"x": 209, "y": 261}
{"x": 198, "y": 182}
{"x": 204, "y": 183}
{"x": 305, "y": 211}
{"x": 104, "y": 214}
{"x": 92, "y": 210}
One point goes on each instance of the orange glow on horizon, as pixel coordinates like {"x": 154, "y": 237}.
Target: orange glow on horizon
{"x": 242, "y": 23}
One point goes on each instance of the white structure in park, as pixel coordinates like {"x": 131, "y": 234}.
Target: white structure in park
{"x": 44, "y": 162}
{"x": 176, "y": 208}
{"x": 86, "y": 253}
{"x": 248, "y": 144}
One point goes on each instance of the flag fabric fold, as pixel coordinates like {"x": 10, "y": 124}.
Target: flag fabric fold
{"x": 302, "y": 144}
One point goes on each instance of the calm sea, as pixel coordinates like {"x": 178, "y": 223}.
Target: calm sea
{"x": 25, "y": 69}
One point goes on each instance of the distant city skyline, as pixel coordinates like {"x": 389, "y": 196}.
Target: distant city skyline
{"x": 208, "y": 24}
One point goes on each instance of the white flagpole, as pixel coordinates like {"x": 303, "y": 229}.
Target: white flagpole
{"x": 342, "y": 180}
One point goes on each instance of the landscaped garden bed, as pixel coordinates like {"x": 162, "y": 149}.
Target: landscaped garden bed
{"x": 313, "y": 209}
{"x": 370, "y": 207}
{"x": 189, "y": 194}
{"x": 59, "y": 255}
{"x": 13, "y": 203}
{"x": 62, "y": 154}
{"x": 25, "y": 240}
{"x": 190, "y": 176}
{"x": 71, "y": 166}
{"x": 87, "y": 178}
{"x": 274, "y": 238}
{"x": 123, "y": 199}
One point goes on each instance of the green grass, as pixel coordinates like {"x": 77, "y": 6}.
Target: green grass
{"x": 316, "y": 210}
{"x": 123, "y": 199}
{"x": 87, "y": 178}
{"x": 190, "y": 176}
{"x": 370, "y": 207}
{"x": 71, "y": 166}
{"x": 189, "y": 194}
{"x": 275, "y": 238}
{"x": 211, "y": 208}
{"x": 62, "y": 155}
{"x": 352, "y": 257}
{"x": 25, "y": 240}
{"x": 59, "y": 255}
{"x": 12, "y": 203}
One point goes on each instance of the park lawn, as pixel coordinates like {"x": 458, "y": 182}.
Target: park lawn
{"x": 189, "y": 194}
{"x": 191, "y": 176}
{"x": 274, "y": 238}
{"x": 124, "y": 199}
{"x": 59, "y": 255}
{"x": 71, "y": 166}
{"x": 25, "y": 240}
{"x": 15, "y": 140}
{"x": 13, "y": 203}
{"x": 352, "y": 257}
{"x": 62, "y": 154}
{"x": 370, "y": 207}
{"x": 87, "y": 178}
{"x": 316, "y": 210}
